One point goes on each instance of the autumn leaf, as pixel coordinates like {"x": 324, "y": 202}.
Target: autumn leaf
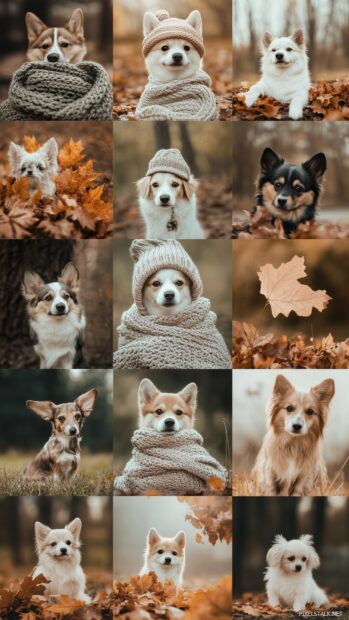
{"x": 65, "y": 606}
{"x": 31, "y": 144}
{"x": 285, "y": 294}
{"x": 16, "y": 224}
{"x": 71, "y": 154}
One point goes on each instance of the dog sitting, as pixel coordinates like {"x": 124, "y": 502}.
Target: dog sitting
{"x": 289, "y": 579}
{"x": 290, "y": 460}
{"x": 60, "y": 456}
{"x": 285, "y": 73}
{"x": 166, "y": 292}
{"x": 65, "y": 44}
{"x": 56, "y": 317}
{"x": 165, "y": 557}
{"x": 59, "y": 561}
{"x": 166, "y": 412}
{"x": 40, "y": 167}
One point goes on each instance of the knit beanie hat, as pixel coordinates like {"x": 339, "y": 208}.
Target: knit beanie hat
{"x": 173, "y": 28}
{"x": 150, "y": 256}
{"x": 169, "y": 160}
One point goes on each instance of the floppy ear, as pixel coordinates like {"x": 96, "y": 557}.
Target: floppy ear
{"x": 146, "y": 391}
{"x": 270, "y": 160}
{"x": 70, "y": 277}
{"x": 314, "y": 560}
{"x": 43, "y": 408}
{"x": 298, "y": 37}
{"x": 316, "y": 165}
{"x": 189, "y": 188}
{"x": 76, "y": 23}
{"x": 194, "y": 19}
{"x": 267, "y": 39}
{"x": 34, "y": 26}
{"x": 41, "y": 532}
{"x": 50, "y": 148}
{"x": 153, "y": 536}
{"x": 150, "y": 21}
{"x": 275, "y": 553}
{"x": 74, "y": 527}
{"x": 15, "y": 155}
{"x": 31, "y": 284}
{"x": 324, "y": 391}
{"x": 282, "y": 386}
{"x": 86, "y": 402}
{"x": 180, "y": 539}
{"x": 189, "y": 394}
{"x": 143, "y": 187}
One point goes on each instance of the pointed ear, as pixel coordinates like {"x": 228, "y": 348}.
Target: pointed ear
{"x": 189, "y": 188}
{"x": 41, "y": 532}
{"x": 144, "y": 188}
{"x": 324, "y": 391}
{"x": 180, "y": 539}
{"x": 282, "y": 386}
{"x": 267, "y": 39}
{"x": 150, "y": 21}
{"x": 316, "y": 165}
{"x": 298, "y": 37}
{"x": 74, "y": 527}
{"x": 70, "y": 277}
{"x": 189, "y": 394}
{"x": 195, "y": 20}
{"x": 34, "y": 26}
{"x": 146, "y": 391}
{"x": 76, "y": 23}
{"x": 270, "y": 160}
{"x": 15, "y": 155}
{"x": 153, "y": 536}
{"x": 275, "y": 553}
{"x": 86, "y": 401}
{"x": 43, "y": 408}
{"x": 50, "y": 148}
{"x": 31, "y": 284}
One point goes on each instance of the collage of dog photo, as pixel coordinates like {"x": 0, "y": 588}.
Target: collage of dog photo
{"x": 174, "y": 334}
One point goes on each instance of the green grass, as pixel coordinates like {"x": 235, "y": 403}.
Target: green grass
{"x": 94, "y": 477}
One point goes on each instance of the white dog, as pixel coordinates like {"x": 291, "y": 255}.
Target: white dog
{"x": 167, "y": 292}
{"x": 165, "y": 557}
{"x": 40, "y": 167}
{"x": 285, "y": 73}
{"x": 289, "y": 579}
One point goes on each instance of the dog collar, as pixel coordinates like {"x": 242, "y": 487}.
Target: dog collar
{"x": 172, "y": 223}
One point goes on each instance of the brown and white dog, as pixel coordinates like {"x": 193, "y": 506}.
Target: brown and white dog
{"x": 290, "y": 460}
{"x": 60, "y": 456}
{"x": 164, "y": 411}
{"x": 64, "y": 44}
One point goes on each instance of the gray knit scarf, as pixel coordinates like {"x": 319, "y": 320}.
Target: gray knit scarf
{"x": 188, "y": 339}
{"x": 190, "y": 99}
{"x": 58, "y": 91}
{"x": 173, "y": 463}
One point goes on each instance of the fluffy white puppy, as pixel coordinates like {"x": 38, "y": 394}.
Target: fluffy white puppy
{"x": 289, "y": 579}
{"x": 39, "y": 167}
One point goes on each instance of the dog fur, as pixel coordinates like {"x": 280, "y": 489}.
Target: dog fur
{"x": 166, "y": 412}
{"x": 165, "y": 556}
{"x": 64, "y": 44}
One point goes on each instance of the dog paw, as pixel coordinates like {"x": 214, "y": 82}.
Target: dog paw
{"x": 250, "y": 100}
{"x": 295, "y": 112}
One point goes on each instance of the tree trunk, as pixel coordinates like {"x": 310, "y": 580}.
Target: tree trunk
{"x": 162, "y": 135}
{"x": 187, "y": 148}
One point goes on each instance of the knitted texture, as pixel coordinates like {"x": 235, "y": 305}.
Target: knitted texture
{"x": 169, "y": 160}
{"x": 59, "y": 91}
{"x": 185, "y": 340}
{"x": 172, "y": 28}
{"x": 150, "y": 256}
{"x": 169, "y": 463}
{"x": 190, "y": 99}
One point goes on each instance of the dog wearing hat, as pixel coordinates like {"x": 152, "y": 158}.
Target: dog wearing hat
{"x": 167, "y": 198}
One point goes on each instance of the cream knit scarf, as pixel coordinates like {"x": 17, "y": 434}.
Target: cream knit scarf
{"x": 173, "y": 463}
{"x": 189, "y": 339}
{"x": 190, "y": 99}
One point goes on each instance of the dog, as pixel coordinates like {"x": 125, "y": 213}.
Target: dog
{"x": 166, "y": 412}
{"x": 60, "y": 456}
{"x": 285, "y": 73}
{"x": 172, "y": 59}
{"x": 65, "y": 44}
{"x": 167, "y": 292}
{"x": 289, "y": 579}
{"x": 40, "y": 167}
{"x": 56, "y": 318}
{"x": 290, "y": 460}
{"x": 168, "y": 206}
{"x": 290, "y": 192}
{"x": 59, "y": 561}
{"x": 165, "y": 557}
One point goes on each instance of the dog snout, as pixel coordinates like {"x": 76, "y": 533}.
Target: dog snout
{"x": 168, "y": 560}
{"x": 281, "y": 201}
{"x": 29, "y": 173}
{"x": 72, "y": 430}
{"x": 296, "y": 427}
{"x": 298, "y": 568}
{"x": 164, "y": 199}
{"x": 279, "y": 56}
{"x": 63, "y": 551}
{"x": 169, "y": 423}
{"x": 60, "y": 308}
{"x": 169, "y": 295}
{"x": 177, "y": 57}
{"x": 52, "y": 57}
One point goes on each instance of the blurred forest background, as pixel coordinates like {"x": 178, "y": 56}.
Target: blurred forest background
{"x": 93, "y": 259}
{"x": 326, "y": 264}
{"x": 213, "y": 415}
{"x": 98, "y": 25}
{"x": 24, "y": 433}
{"x": 130, "y": 75}
{"x": 325, "y": 24}
{"x": 206, "y": 147}
{"x": 211, "y": 258}
{"x": 295, "y": 142}
{"x": 252, "y": 390}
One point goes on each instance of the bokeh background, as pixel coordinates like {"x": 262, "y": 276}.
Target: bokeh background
{"x": 324, "y": 22}
{"x": 206, "y": 147}
{"x": 211, "y": 258}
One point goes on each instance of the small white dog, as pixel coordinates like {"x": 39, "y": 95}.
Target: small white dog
{"x": 167, "y": 292}
{"x": 165, "y": 556}
{"x": 289, "y": 579}
{"x": 285, "y": 73}
{"x": 59, "y": 560}
{"x": 40, "y": 167}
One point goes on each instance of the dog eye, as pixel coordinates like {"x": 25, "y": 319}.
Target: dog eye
{"x": 309, "y": 411}
{"x": 160, "y": 551}
{"x": 77, "y": 416}
{"x": 291, "y": 558}
{"x": 155, "y": 184}
{"x": 289, "y": 408}
{"x": 304, "y": 558}
{"x": 40, "y": 167}
{"x": 68, "y": 542}
{"x": 289, "y": 49}
{"x": 175, "y": 184}
{"x": 61, "y": 418}
{"x": 273, "y": 50}
{"x": 156, "y": 283}
{"x": 187, "y": 48}
{"x": 158, "y": 411}
{"x": 174, "y": 552}
{"x": 45, "y": 46}
{"x": 23, "y": 169}
{"x": 299, "y": 189}
{"x": 48, "y": 298}
{"x": 277, "y": 186}
{"x": 64, "y": 44}
{"x": 53, "y": 544}
{"x": 165, "y": 48}
{"x": 179, "y": 283}
{"x": 179, "y": 412}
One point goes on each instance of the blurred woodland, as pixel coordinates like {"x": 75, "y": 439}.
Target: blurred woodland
{"x": 206, "y": 147}
{"x": 48, "y": 257}
{"x": 325, "y": 519}
{"x": 130, "y": 75}
{"x": 210, "y": 258}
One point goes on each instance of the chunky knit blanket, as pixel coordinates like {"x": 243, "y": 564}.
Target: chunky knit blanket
{"x": 173, "y": 463}
{"x": 189, "y": 339}
{"x": 190, "y": 99}
{"x": 58, "y": 91}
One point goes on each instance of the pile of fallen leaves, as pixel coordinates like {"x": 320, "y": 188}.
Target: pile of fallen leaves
{"x": 255, "y": 605}
{"x": 328, "y": 100}
{"x": 82, "y": 207}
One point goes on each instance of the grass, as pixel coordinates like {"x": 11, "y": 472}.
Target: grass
{"x": 95, "y": 477}
{"x": 245, "y": 486}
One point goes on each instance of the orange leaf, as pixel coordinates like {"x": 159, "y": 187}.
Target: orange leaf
{"x": 71, "y": 154}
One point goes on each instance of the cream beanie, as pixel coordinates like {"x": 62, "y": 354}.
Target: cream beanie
{"x": 150, "y": 256}
{"x": 166, "y": 27}
{"x": 169, "y": 160}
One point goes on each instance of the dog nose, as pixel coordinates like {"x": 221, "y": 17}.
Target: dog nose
{"x": 29, "y": 173}
{"x": 52, "y": 58}
{"x": 164, "y": 199}
{"x": 169, "y": 423}
{"x": 72, "y": 431}
{"x": 281, "y": 201}
{"x": 169, "y": 295}
{"x": 279, "y": 56}
{"x": 60, "y": 307}
{"x": 298, "y": 568}
{"x": 177, "y": 57}
{"x": 296, "y": 427}
{"x": 63, "y": 551}
{"x": 167, "y": 560}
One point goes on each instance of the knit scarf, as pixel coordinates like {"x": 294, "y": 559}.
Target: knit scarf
{"x": 58, "y": 91}
{"x": 174, "y": 463}
{"x": 188, "y": 339}
{"x": 190, "y": 99}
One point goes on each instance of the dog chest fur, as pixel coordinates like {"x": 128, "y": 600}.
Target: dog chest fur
{"x": 57, "y": 338}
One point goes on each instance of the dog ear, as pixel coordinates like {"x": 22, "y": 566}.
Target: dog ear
{"x": 150, "y": 21}
{"x": 189, "y": 187}
{"x": 50, "y": 148}
{"x": 270, "y": 160}
{"x": 195, "y": 20}
{"x": 15, "y": 155}
{"x": 41, "y": 532}
{"x": 34, "y": 26}
{"x": 31, "y": 284}
{"x": 316, "y": 165}
{"x": 144, "y": 187}
{"x": 180, "y": 539}
{"x": 298, "y": 37}
{"x": 267, "y": 39}
{"x": 275, "y": 553}
{"x": 324, "y": 391}
{"x": 314, "y": 560}
{"x": 153, "y": 536}
{"x": 86, "y": 402}
{"x": 189, "y": 394}
{"x": 282, "y": 386}
{"x": 76, "y": 23}
{"x": 74, "y": 527}
{"x": 70, "y": 277}
{"x": 146, "y": 391}
{"x": 43, "y": 408}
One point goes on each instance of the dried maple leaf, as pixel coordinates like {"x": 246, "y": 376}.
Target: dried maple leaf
{"x": 31, "y": 144}
{"x": 65, "y": 605}
{"x": 284, "y": 293}
{"x": 16, "y": 224}
{"x": 71, "y": 154}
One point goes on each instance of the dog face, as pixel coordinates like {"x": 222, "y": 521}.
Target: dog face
{"x": 66, "y": 44}
{"x": 59, "y": 544}
{"x": 284, "y": 53}
{"x": 165, "y": 552}
{"x": 293, "y": 556}
{"x": 167, "y": 292}
{"x": 36, "y": 166}
{"x": 56, "y": 299}
{"x": 165, "y": 189}
{"x": 290, "y": 191}
{"x": 166, "y": 412}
